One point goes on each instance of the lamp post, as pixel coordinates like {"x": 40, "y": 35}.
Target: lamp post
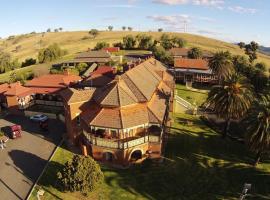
{"x": 247, "y": 187}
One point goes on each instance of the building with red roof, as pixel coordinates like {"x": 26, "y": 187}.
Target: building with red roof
{"x": 111, "y": 49}
{"x": 42, "y": 90}
{"x": 193, "y": 70}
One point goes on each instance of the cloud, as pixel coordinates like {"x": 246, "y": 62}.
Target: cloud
{"x": 240, "y": 9}
{"x": 116, "y": 6}
{"x": 213, "y": 3}
{"x": 170, "y": 19}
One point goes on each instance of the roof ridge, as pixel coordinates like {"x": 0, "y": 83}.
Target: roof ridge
{"x": 121, "y": 118}
{"x": 127, "y": 93}
{"x": 136, "y": 87}
{"x": 152, "y": 72}
{"x": 152, "y": 113}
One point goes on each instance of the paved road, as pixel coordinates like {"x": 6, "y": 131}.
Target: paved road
{"x": 24, "y": 159}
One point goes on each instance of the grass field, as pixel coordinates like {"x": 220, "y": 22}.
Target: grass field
{"x": 192, "y": 97}
{"x": 198, "y": 164}
{"x": 78, "y": 41}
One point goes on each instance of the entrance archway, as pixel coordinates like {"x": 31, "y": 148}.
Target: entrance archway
{"x": 136, "y": 155}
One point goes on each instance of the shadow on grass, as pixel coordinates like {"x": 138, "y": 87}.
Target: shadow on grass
{"x": 197, "y": 167}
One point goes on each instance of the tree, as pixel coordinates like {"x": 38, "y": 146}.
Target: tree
{"x": 259, "y": 80}
{"x": 5, "y": 62}
{"x": 124, "y": 28}
{"x": 178, "y": 42}
{"x": 60, "y": 29}
{"x": 195, "y": 53}
{"x": 48, "y": 30}
{"x": 261, "y": 66}
{"x": 129, "y": 42}
{"x": 241, "y": 65}
{"x": 118, "y": 44}
{"x": 50, "y": 53}
{"x": 94, "y": 32}
{"x": 110, "y": 28}
{"x": 144, "y": 41}
{"x": 161, "y": 54}
{"x": 257, "y": 123}
{"x": 231, "y": 100}
{"x": 160, "y": 29}
{"x": 251, "y": 50}
{"x": 81, "y": 174}
{"x": 241, "y": 45}
{"x": 221, "y": 64}
{"x": 166, "y": 41}
{"x": 28, "y": 62}
{"x": 130, "y": 28}
{"x": 81, "y": 67}
{"x": 101, "y": 45}
{"x": 56, "y": 30}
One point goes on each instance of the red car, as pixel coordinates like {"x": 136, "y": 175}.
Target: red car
{"x": 16, "y": 131}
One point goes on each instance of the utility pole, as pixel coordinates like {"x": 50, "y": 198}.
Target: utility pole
{"x": 244, "y": 193}
{"x": 185, "y": 25}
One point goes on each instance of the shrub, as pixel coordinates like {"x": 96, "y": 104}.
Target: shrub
{"x": 81, "y": 67}
{"x": 101, "y": 45}
{"x": 81, "y": 174}
{"x": 28, "y": 62}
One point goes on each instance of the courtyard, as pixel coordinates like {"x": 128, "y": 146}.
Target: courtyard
{"x": 23, "y": 159}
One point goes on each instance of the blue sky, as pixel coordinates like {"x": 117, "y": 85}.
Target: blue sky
{"x": 229, "y": 20}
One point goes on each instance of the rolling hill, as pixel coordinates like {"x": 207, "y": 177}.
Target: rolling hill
{"x": 27, "y": 45}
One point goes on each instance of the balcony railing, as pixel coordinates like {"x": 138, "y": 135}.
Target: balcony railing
{"x": 49, "y": 103}
{"x": 118, "y": 144}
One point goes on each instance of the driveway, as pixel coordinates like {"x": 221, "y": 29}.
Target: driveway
{"x": 22, "y": 161}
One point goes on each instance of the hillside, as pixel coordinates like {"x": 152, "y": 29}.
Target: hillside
{"x": 27, "y": 46}
{"x": 265, "y": 50}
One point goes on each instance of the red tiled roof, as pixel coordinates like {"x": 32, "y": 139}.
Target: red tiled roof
{"x": 16, "y": 89}
{"x": 53, "y": 80}
{"x": 44, "y": 90}
{"x": 3, "y": 88}
{"x": 185, "y": 63}
{"x": 103, "y": 70}
{"x": 111, "y": 49}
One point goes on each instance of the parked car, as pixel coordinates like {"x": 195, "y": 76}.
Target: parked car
{"x": 13, "y": 132}
{"x": 39, "y": 118}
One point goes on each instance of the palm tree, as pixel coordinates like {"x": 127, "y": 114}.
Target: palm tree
{"x": 221, "y": 64}
{"x": 258, "y": 128}
{"x": 231, "y": 100}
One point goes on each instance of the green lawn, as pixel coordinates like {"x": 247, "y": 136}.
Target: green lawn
{"x": 198, "y": 164}
{"x": 190, "y": 96}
